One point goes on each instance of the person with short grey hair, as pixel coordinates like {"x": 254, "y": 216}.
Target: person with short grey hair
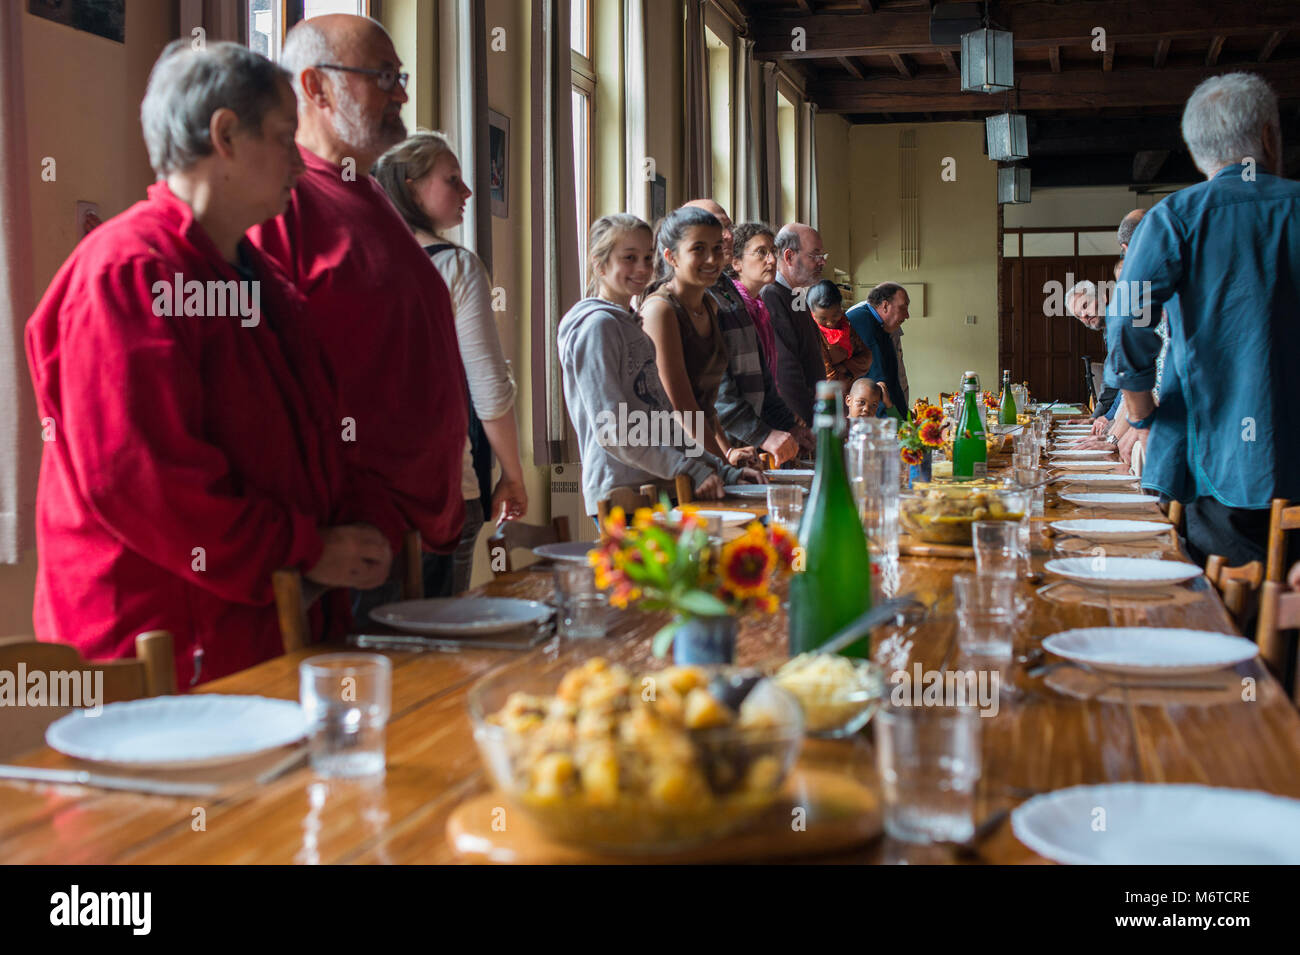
{"x": 197, "y": 448}
{"x": 799, "y": 263}
{"x": 1223, "y": 259}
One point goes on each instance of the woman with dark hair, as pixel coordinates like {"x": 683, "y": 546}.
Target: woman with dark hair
{"x": 422, "y": 176}
{"x": 196, "y": 440}
{"x": 681, "y": 320}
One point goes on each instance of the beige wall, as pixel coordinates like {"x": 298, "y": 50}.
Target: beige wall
{"x": 1075, "y": 207}
{"x": 83, "y": 97}
{"x": 833, "y": 189}
{"x": 958, "y": 238}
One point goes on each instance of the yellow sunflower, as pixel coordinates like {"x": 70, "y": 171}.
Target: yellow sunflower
{"x": 747, "y": 563}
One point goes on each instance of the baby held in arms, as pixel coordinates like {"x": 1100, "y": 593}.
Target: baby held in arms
{"x": 844, "y": 354}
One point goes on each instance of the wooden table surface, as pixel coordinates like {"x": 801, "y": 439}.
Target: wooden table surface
{"x": 1039, "y": 741}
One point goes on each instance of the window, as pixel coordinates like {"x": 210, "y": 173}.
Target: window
{"x": 720, "y": 116}
{"x": 787, "y": 131}
{"x": 583, "y": 102}
{"x": 269, "y": 20}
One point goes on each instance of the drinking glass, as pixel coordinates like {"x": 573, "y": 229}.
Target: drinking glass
{"x": 1027, "y": 478}
{"x": 580, "y": 604}
{"x": 1042, "y": 425}
{"x": 997, "y": 548}
{"x": 347, "y": 699}
{"x": 988, "y": 614}
{"x": 874, "y": 473}
{"x": 929, "y": 763}
{"x": 1023, "y": 460}
{"x": 785, "y": 505}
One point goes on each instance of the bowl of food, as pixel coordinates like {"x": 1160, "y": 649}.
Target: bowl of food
{"x": 838, "y": 694}
{"x": 659, "y": 761}
{"x": 943, "y": 514}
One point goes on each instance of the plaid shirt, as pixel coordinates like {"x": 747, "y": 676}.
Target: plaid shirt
{"x": 748, "y": 405}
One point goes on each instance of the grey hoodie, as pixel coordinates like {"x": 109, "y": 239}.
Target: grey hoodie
{"x": 609, "y": 361}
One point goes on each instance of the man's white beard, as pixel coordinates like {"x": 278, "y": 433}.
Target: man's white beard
{"x": 352, "y": 127}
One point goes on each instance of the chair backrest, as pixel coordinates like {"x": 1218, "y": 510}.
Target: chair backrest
{"x": 1235, "y": 584}
{"x": 1175, "y": 515}
{"x": 151, "y": 673}
{"x": 628, "y": 498}
{"x": 1281, "y": 520}
{"x": 516, "y": 534}
{"x": 1279, "y": 619}
{"x": 293, "y": 597}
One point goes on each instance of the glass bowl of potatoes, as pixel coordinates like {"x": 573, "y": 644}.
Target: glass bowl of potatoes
{"x": 599, "y": 756}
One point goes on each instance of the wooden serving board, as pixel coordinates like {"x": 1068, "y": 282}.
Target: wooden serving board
{"x": 841, "y": 813}
{"x": 912, "y": 548}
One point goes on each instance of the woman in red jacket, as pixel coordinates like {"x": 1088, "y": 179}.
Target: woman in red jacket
{"x": 193, "y": 443}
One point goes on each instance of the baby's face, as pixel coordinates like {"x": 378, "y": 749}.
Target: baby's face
{"x": 863, "y": 403}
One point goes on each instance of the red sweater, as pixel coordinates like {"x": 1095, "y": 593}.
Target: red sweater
{"x": 383, "y": 315}
{"x": 186, "y": 457}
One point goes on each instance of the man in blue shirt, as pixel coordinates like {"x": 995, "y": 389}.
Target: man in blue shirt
{"x": 877, "y": 322}
{"x": 1226, "y": 253}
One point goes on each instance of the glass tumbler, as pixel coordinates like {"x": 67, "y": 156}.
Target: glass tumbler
{"x": 347, "y": 699}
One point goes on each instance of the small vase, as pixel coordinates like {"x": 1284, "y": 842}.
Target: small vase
{"x": 705, "y": 640}
{"x": 920, "y": 473}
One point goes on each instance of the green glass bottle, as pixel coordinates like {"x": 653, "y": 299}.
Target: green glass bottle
{"x": 1007, "y": 413}
{"x": 834, "y": 587}
{"x": 970, "y": 452}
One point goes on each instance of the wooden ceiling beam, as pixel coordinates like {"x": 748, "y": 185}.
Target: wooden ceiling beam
{"x": 853, "y": 67}
{"x": 868, "y": 6}
{"x": 1108, "y": 56}
{"x": 1147, "y": 163}
{"x": 1162, "y": 52}
{"x": 906, "y": 68}
{"x": 950, "y": 61}
{"x": 1216, "y": 47}
{"x": 829, "y": 35}
{"x": 1075, "y": 90}
{"x": 1054, "y": 57}
{"x": 1270, "y": 45}
{"x": 805, "y": 6}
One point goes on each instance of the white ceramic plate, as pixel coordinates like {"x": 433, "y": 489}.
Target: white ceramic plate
{"x": 757, "y": 491}
{"x": 571, "y": 551}
{"x": 1151, "y": 651}
{"x": 461, "y": 615}
{"x": 1094, "y": 478}
{"x": 727, "y": 517}
{"x": 1098, "y": 529}
{"x": 1092, "y": 467}
{"x": 1160, "y": 824}
{"x": 790, "y": 474}
{"x": 1123, "y": 573}
{"x": 179, "y": 732}
{"x": 1081, "y": 455}
{"x": 1113, "y": 501}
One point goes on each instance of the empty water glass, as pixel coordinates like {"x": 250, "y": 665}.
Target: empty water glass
{"x": 997, "y": 548}
{"x": 1032, "y": 481}
{"x": 347, "y": 699}
{"x": 874, "y": 470}
{"x": 580, "y": 604}
{"x": 785, "y": 505}
{"x": 988, "y": 616}
{"x": 929, "y": 763}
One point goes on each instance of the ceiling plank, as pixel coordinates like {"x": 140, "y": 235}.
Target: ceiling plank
{"x": 1054, "y": 57}
{"x": 805, "y": 6}
{"x": 1270, "y": 45}
{"x": 951, "y": 63}
{"x": 868, "y": 6}
{"x": 1108, "y": 56}
{"x": 1216, "y": 47}
{"x": 905, "y": 66}
{"x": 1162, "y": 52}
{"x": 852, "y": 66}
{"x": 1074, "y": 90}
{"x": 1036, "y": 24}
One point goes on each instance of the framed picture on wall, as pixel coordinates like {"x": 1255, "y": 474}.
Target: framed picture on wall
{"x": 499, "y": 163}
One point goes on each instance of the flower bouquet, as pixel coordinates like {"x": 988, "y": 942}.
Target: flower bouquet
{"x": 921, "y": 435}
{"x": 663, "y": 564}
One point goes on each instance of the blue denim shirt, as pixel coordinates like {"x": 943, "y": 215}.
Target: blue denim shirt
{"x": 1227, "y": 253}
{"x": 866, "y": 322}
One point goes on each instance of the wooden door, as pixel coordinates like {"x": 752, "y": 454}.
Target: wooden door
{"x": 1048, "y": 350}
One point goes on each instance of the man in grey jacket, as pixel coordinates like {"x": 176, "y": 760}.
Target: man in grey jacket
{"x": 799, "y": 263}
{"x": 627, "y": 430}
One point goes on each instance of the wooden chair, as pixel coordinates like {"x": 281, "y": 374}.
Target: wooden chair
{"x": 293, "y": 598}
{"x": 512, "y": 535}
{"x": 1279, "y": 613}
{"x": 647, "y": 495}
{"x": 1235, "y": 585}
{"x": 151, "y": 673}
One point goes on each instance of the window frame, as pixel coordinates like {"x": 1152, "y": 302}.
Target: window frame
{"x": 582, "y": 81}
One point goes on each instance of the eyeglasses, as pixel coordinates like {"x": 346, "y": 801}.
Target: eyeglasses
{"x": 819, "y": 256}
{"x": 385, "y": 79}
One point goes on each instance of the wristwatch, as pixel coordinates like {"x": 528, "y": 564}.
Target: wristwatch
{"x": 1112, "y": 440}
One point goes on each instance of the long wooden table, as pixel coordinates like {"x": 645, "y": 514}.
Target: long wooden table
{"x": 1039, "y": 741}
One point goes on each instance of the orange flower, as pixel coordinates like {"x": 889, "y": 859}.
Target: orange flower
{"x": 912, "y": 455}
{"x": 784, "y": 543}
{"x": 616, "y": 525}
{"x": 747, "y": 563}
{"x": 932, "y": 434}
{"x": 934, "y": 413}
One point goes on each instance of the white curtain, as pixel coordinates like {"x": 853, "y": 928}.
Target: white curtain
{"x": 635, "y": 96}
{"x": 555, "y": 266}
{"x": 20, "y": 444}
{"x": 699, "y": 146}
{"x": 808, "y": 163}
